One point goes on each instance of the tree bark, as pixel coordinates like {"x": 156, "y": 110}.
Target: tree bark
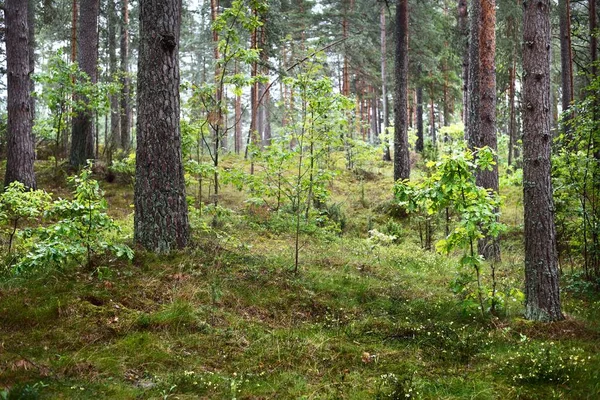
{"x": 420, "y": 145}
{"x": 593, "y": 38}
{"x": 161, "y": 216}
{"x": 488, "y": 179}
{"x": 82, "y": 135}
{"x": 401, "y": 154}
{"x": 473, "y": 107}
{"x": 566, "y": 61}
{"x": 541, "y": 262}
{"x": 115, "y": 114}
{"x": 512, "y": 128}
{"x": 125, "y": 80}
{"x": 31, "y": 43}
{"x": 74, "y": 15}
{"x": 20, "y": 146}
{"x": 463, "y": 27}
{"x": 384, "y": 104}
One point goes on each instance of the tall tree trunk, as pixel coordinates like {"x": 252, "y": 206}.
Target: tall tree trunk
{"x": 253, "y": 134}
{"x": 384, "y": 104}
{"x": 31, "y": 43}
{"x": 566, "y": 61}
{"x": 473, "y": 107}
{"x": 238, "y": 120}
{"x": 593, "y": 37}
{"x": 20, "y": 146}
{"x": 401, "y": 154}
{"x": 463, "y": 27}
{"x": 346, "y": 66}
{"x": 488, "y": 179}
{"x": 82, "y": 144}
{"x": 512, "y": 127}
{"x": 161, "y": 216}
{"x": 420, "y": 145}
{"x": 125, "y": 81}
{"x": 74, "y": 16}
{"x": 115, "y": 114}
{"x": 541, "y": 262}
{"x": 432, "y": 117}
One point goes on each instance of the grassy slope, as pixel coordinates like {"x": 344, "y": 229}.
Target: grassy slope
{"x": 227, "y": 319}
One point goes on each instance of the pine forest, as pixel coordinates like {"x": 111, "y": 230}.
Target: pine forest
{"x": 299, "y": 199}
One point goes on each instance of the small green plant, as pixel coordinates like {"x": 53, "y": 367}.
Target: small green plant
{"x": 543, "y": 362}
{"x": 394, "y": 387}
{"x": 452, "y": 186}
{"x": 63, "y": 90}
{"x": 17, "y": 204}
{"x": 82, "y": 229}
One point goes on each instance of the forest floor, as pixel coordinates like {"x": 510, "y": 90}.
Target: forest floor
{"x": 227, "y": 318}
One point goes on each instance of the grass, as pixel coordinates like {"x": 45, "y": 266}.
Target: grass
{"x": 227, "y": 319}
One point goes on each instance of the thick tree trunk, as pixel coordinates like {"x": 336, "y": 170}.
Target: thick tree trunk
{"x": 125, "y": 81}
{"x": 115, "y": 114}
{"x": 488, "y": 179}
{"x": 473, "y": 106}
{"x": 401, "y": 154}
{"x": 20, "y": 146}
{"x": 82, "y": 135}
{"x": 541, "y": 269}
{"x": 463, "y": 27}
{"x": 420, "y": 145}
{"x": 566, "y": 61}
{"x": 161, "y": 216}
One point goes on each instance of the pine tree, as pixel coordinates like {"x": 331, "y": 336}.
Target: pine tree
{"x": 541, "y": 261}
{"x": 20, "y": 146}
{"x": 82, "y": 144}
{"x": 401, "y": 154}
{"x": 161, "y": 217}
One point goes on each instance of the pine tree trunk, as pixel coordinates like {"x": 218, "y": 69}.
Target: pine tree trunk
{"x": 541, "y": 261}
{"x": 31, "y": 43}
{"x": 593, "y": 37}
{"x": 346, "y": 67}
{"x": 401, "y": 154}
{"x": 161, "y": 217}
{"x": 463, "y": 27}
{"x": 238, "y": 120}
{"x": 566, "y": 61}
{"x": 419, "y": 146}
{"x": 384, "y": 104}
{"x": 473, "y": 107}
{"x": 125, "y": 81}
{"x": 82, "y": 135}
{"x": 20, "y": 146}
{"x": 74, "y": 15}
{"x": 253, "y": 134}
{"x": 432, "y": 118}
{"x": 115, "y": 114}
{"x": 512, "y": 127}
{"x": 488, "y": 179}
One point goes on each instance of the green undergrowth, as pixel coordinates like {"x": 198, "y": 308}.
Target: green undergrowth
{"x": 227, "y": 318}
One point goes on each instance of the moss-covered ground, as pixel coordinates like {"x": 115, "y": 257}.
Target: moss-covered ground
{"x": 228, "y": 319}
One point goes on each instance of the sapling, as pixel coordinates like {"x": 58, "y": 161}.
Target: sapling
{"x": 451, "y": 186}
